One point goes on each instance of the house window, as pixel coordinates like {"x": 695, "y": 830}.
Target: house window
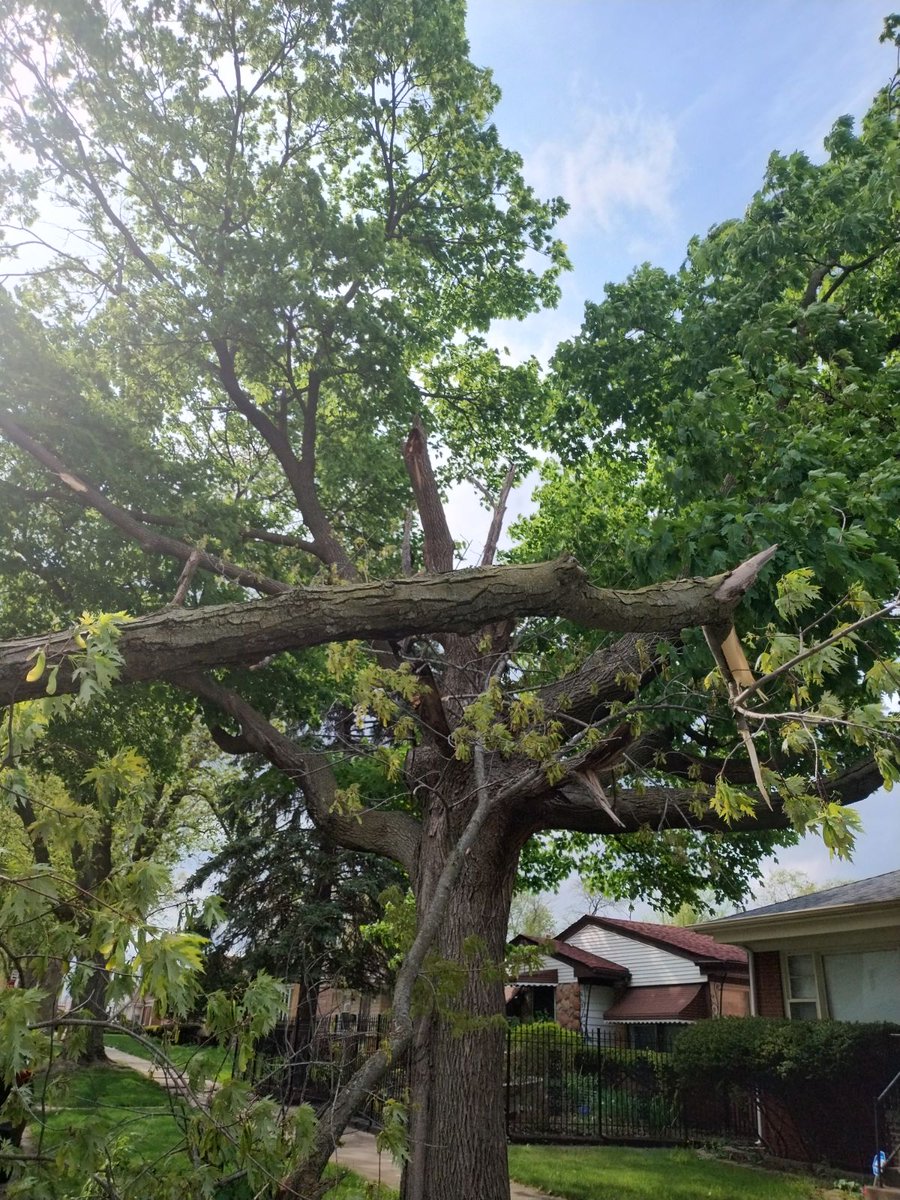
{"x": 863, "y": 986}
{"x": 543, "y": 1001}
{"x": 801, "y": 987}
{"x": 858, "y": 986}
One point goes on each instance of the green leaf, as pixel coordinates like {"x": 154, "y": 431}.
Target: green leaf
{"x": 796, "y": 592}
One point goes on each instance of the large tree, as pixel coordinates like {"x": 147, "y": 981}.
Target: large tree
{"x": 290, "y": 226}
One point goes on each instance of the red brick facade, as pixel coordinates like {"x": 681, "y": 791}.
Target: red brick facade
{"x": 769, "y": 996}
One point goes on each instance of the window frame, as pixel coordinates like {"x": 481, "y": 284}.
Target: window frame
{"x": 821, "y": 997}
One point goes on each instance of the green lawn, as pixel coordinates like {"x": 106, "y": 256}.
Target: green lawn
{"x": 352, "y": 1187}
{"x": 216, "y": 1060}
{"x": 112, "y": 1101}
{"x": 627, "y": 1173}
{"x": 116, "y": 1101}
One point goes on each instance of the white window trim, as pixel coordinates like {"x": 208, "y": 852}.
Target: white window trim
{"x": 821, "y": 997}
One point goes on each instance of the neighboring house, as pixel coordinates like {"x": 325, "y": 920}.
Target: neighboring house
{"x": 833, "y": 954}
{"x": 139, "y": 1010}
{"x": 336, "y": 1003}
{"x": 352, "y": 1006}
{"x": 642, "y": 977}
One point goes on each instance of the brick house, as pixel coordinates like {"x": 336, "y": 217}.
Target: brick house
{"x": 834, "y": 953}
{"x": 644, "y": 978}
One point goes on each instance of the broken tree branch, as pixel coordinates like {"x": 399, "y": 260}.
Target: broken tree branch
{"x": 438, "y": 547}
{"x": 496, "y": 525}
{"x": 172, "y": 642}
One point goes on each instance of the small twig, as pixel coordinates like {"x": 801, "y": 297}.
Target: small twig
{"x": 280, "y": 539}
{"x": 811, "y": 650}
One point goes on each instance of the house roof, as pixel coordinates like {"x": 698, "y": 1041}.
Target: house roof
{"x": 669, "y": 1002}
{"x": 877, "y": 889}
{"x": 685, "y": 942}
{"x": 587, "y": 965}
{"x": 538, "y": 978}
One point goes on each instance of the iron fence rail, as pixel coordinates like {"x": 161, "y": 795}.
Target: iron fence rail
{"x": 560, "y": 1085}
{"x": 887, "y": 1132}
{"x": 598, "y": 1086}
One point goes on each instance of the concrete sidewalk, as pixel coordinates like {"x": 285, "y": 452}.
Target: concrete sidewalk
{"x": 172, "y": 1081}
{"x": 356, "y": 1151}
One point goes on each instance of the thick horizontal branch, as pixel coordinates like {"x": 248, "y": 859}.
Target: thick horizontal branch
{"x": 172, "y": 642}
{"x": 573, "y": 806}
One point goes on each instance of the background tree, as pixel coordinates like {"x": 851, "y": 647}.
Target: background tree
{"x": 101, "y": 818}
{"x": 294, "y": 903}
{"x": 299, "y": 224}
{"x": 783, "y": 883}
{"x": 530, "y": 914}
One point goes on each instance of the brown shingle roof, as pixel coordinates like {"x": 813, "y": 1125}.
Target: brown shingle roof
{"x": 585, "y": 963}
{"x": 698, "y": 946}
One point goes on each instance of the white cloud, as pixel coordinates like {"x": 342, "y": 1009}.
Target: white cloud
{"x": 611, "y": 167}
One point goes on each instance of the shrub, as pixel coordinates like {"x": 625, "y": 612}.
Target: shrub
{"x": 814, "y": 1080}
{"x": 543, "y": 1048}
{"x": 646, "y": 1068}
{"x": 765, "y": 1052}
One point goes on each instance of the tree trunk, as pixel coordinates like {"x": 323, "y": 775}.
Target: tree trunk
{"x": 94, "y": 1000}
{"x": 457, "y": 1117}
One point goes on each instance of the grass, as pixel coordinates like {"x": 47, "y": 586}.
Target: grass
{"x": 111, "y": 1101}
{"x": 352, "y": 1187}
{"x": 628, "y": 1173}
{"x": 216, "y": 1060}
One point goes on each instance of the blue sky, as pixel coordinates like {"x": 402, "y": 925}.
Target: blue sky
{"x": 654, "y": 118}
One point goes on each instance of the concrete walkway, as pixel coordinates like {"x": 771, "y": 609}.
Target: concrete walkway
{"x": 356, "y": 1151}
{"x": 173, "y": 1081}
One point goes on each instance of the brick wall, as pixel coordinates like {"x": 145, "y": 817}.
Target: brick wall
{"x": 769, "y": 996}
{"x": 568, "y": 1005}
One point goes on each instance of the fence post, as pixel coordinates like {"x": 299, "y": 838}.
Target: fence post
{"x": 598, "y": 1074}
{"x": 508, "y": 1076}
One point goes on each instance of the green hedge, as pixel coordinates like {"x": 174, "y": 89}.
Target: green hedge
{"x": 762, "y": 1051}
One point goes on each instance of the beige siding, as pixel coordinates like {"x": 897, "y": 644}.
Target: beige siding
{"x": 648, "y": 964}
{"x": 564, "y": 972}
{"x": 595, "y": 1000}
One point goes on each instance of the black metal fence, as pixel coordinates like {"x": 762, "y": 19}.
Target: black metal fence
{"x": 887, "y": 1132}
{"x": 559, "y": 1084}
{"x": 567, "y": 1086}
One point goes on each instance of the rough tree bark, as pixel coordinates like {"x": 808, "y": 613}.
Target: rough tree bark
{"x": 457, "y": 1130}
